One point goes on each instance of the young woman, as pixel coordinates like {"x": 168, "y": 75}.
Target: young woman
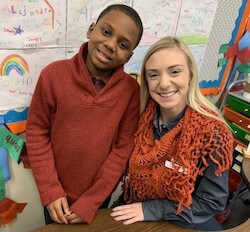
{"x": 178, "y": 170}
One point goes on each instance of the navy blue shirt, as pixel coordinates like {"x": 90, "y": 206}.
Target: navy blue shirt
{"x": 210, "y": 195}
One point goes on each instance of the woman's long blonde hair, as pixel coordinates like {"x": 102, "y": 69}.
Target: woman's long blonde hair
{"x": 195, "y": 99}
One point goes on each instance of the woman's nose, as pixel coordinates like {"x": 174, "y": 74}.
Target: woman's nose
{"x": 164, "y": 81}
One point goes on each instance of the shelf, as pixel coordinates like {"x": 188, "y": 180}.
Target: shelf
{"x": 239, "y": 94}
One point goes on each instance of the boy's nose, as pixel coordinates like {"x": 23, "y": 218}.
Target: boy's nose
{"x": 110, "y": 44}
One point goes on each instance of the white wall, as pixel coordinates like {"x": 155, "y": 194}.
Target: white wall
{"x": 22, "y": 188}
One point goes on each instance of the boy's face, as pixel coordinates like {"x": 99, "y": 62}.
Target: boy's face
{"x": 111, "y": 42}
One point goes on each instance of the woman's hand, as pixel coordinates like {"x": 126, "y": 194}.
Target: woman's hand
{"x": 128, "y": 213}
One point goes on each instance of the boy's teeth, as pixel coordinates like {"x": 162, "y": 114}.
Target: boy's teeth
{"x": 103, "y": 55}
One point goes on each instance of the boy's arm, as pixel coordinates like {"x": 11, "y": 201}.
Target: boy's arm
{"x": 111, "y": 170}
{"x": 39, "y": 148}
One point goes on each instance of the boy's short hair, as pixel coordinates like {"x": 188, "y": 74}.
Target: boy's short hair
{"x": 129, "y": 11}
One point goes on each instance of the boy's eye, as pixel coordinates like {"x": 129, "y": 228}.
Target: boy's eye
{"x": 123, "y": 45}
{"x": 105, "y": 32}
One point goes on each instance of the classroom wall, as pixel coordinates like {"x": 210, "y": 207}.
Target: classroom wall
{"x": 21, "y": 187}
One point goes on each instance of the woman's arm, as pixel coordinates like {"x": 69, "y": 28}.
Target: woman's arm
{"x": 209, "y": 198}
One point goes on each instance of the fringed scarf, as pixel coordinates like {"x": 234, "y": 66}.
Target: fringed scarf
{"x": 168, "y": 168}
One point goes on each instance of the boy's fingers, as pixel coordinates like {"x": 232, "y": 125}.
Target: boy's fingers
{"x": 76, "y": 220}
{"x": 73, "y": 219}
{"x": 53, "y": 216}
{"x": 65, "y": 206}
{"x": 60, "y": 216}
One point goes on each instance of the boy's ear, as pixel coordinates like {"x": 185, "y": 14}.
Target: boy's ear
{"x": 131, "y": 54}
{"x": 91, "y": 28}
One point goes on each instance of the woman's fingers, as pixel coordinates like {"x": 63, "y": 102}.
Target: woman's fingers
{"x": 128, "y": 213}
{"x": 122, "y": 207}
{"x": 131, "y": 221}
{"x": 125, "y": 216}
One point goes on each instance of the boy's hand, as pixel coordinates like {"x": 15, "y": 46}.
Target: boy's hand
{"x": 128, "y": 213}
{"x": 58, "y": 210}
{"x": 73, "y": 218}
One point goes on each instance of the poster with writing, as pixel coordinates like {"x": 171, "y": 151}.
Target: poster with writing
{"x": 32, "y": 23}
{"x": 19, "y": 72}
{"x": 37, "y": 31}
{"x": 159, "y": 18}
{"x": 198, "y": 51}
{"x": 196, "y": 21}
{"x": 70, "y": 52}
{"x": 134, "y": 64}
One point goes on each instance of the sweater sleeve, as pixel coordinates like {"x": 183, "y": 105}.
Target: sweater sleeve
{"x": 39, "y": 148}
{"x": 209, "y": 198}
{"x": 112, "y": 168}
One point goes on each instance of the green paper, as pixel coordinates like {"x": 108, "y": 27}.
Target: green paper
{"x": 223, "y": 48}
{"x": 193, "y": 39}
{"x": 243, "y": 68}
{"x": 2, "y": 187}
{"x": 222, "y": 61}
{"x": 246, "y": 72}
{"x": 12, "y": 143}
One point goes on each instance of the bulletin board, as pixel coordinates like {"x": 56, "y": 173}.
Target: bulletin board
{"x": 228, "y": 27}
{"x": 35, "y": 33}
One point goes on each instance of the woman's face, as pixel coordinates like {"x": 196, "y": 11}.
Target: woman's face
{"x": 168, "y": 79}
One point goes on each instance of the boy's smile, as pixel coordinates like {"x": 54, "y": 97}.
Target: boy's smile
{"x": 111, "y": 43}
{"x": 103, "y": 56}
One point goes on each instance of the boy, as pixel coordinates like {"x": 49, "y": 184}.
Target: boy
{"x": 83, "y": 117}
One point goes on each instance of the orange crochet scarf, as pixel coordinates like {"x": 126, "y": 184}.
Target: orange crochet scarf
{"x": 194, "y": 139}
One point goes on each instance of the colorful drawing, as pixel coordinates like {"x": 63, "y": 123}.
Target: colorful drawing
{"x": 14, "y": 62}
{"x": 32, "y": 23}
{"x": 15, "y": 120}
{"x": 9, "y": 210}
{"x": 18, "y": 30}
{"x": 53, "y": 13}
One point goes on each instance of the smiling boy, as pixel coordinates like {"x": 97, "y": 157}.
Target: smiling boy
{"x": 83, "y": 117}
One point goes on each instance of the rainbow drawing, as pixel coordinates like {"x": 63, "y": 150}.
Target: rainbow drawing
{"x": 14, "y": 62}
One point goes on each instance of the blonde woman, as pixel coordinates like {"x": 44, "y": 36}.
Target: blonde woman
{"x": 178, "y": 170}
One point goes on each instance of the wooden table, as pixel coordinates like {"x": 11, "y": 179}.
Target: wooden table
{"x": 103, "y": 222}
{"x": 245, "y": 171}
{"x": 244, "y": 227}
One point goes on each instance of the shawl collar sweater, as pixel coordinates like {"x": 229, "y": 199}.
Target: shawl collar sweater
{"x": 79, "y": 140}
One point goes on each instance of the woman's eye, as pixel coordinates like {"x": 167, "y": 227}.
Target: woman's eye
{"x": 175, "y": 71}
{"x": 152, "y": 76}
{"x": 105, "y": 32}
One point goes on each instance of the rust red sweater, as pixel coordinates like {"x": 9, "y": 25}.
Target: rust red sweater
{"x": 78, "y": 140}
